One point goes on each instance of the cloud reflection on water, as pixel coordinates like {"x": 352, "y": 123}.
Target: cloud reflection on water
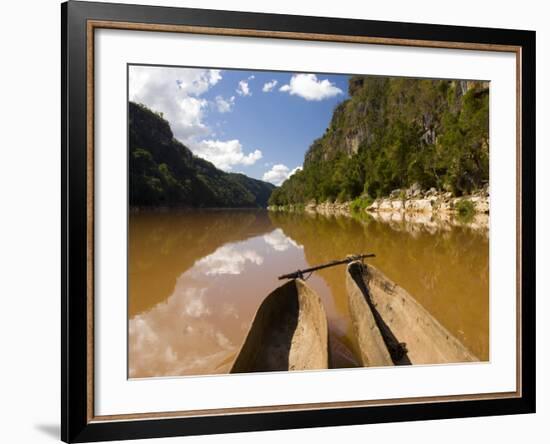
{"x": 183, "y": 335}
{"x": 199, "y": 327}
{"x": 279, "y": 241}
{"x": 227, "y": 260}
{"x": 197, "y": 293}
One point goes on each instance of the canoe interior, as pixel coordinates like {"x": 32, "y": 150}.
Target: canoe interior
{"x": 392, "y": 328}
{"x": 289, "y": 332}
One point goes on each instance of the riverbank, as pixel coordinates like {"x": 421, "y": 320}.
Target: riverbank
{"x": 430, "y": 209}
{"x": 414, "y": 200}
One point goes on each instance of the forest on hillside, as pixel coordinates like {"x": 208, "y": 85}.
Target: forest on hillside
{"x": 165, "y": 173}
{"x": 395, "y": 132}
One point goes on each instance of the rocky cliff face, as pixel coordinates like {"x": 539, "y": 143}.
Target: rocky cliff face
{"x": 375, "y": 101}
{"x": 393, "y": 132}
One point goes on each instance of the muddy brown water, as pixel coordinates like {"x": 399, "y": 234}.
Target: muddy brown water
{"x": 196, "y": 278}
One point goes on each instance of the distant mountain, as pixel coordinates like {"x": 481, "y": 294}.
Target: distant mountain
{"x": 164, "y": 172}
{"x": 394, "y": 132}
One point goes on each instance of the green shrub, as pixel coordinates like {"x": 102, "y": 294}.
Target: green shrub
{"x": 359, "y": 204}
{"x": 466, "y": 210}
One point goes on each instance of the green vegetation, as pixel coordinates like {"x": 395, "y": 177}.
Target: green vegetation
{"x": 164, "y": 172}
{"x": 392, "y": 133}
{"x": 466, "y": 210}
{"x": 359, "y": 204}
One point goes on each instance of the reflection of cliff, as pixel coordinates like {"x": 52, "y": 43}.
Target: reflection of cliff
{"x": 447, "y": 272}
{"x": 433, "y": 224}
{"x": 163, "y": 245}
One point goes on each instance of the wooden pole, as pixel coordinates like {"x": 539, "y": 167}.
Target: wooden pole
{"x": 347, "y": 260}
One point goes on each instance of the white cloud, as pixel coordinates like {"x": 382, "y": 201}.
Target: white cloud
{"x": 268, "y": 86}
{"x": 190, "y": 114}
{"x": 176, "y": 93}
{"x": 243, "y": 89}
{"x": 309, "y": 87}
{"x": 279, "y": 173}
{"x": 225, "y": 154}
{"x": 214, "y": 76}
{"x": 225, "y": 105}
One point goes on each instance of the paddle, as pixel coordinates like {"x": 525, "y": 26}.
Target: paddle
{"x": 347, "y": 260}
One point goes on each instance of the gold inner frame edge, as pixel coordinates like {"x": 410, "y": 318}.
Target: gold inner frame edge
{"x": 92, "y": 25}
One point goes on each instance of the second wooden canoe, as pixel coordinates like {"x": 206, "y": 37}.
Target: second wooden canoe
{"x": 392, "y": 328}
{"x": 289, "y": 332}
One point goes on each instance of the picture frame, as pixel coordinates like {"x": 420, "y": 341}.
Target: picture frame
{"x": 80, "y": 20}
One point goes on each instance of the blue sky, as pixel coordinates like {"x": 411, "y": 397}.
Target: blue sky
{"x": 259, "y": 123}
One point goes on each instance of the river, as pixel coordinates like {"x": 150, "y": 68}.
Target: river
{"x": 196, "y": 278}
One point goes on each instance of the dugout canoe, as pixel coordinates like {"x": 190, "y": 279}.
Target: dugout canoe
{"x": 289, "y": 332}
{"x": 392, "y": 328}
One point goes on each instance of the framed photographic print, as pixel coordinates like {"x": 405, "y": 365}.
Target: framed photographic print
{"x": 276, "y": 221}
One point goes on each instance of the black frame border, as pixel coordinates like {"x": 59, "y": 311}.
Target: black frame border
{"x": 75, "y": 426}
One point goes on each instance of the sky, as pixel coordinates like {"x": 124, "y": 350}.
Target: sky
{"x": 259, "y": 123}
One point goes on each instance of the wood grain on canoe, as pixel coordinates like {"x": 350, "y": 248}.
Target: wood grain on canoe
{"x": 411, "y": 334}
{"x": 289, "y": 332}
